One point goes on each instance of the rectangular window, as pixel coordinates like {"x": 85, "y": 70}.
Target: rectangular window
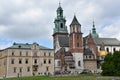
{"x": 26, "y": 53}
{"x": 35, "y": 61}
{"x": 49, "y": 53}
{"x": 12, "y": 61}
{"x": 44, "y": 53}
{"x": 5, "y": 62}
{"x": 35, "y": 54}
{"x": 28, "y": 69}
{"x": 14, "y": 70}
{"x": 20, "y": 53}
{"x": 79, "y": 63}
{"x": 44, "y": 61}
{"x": 58, "y": 63}
{"x": 13, "y": 53}
{"x": 20, "y": 61}
{"x": 49, "y": 61}
{"x": 20, "y": 69}
{"x": 26, "y": 61}
{"x": 47, "y": 68}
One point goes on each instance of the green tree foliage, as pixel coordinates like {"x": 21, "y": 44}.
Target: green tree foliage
{"x": 111, "y": 64}
{"x": 116, "y": 61}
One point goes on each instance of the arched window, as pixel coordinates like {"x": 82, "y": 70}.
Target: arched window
{"x": 78, "y": 29}
{"x": 77, "y": 44}
{"x": 107, "y": 49}
{"x": 114, "y": 49}
{"x": 90, "y": 57}
{"x": 61, "y": 25}
{"x": 79, "y": 63}
{"x": 60, "y": 13}
{"x": 77, "y": 36}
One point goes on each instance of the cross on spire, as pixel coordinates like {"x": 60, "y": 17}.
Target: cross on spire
{"x": 59, "y": 3}
{"x": 93, "y": 23}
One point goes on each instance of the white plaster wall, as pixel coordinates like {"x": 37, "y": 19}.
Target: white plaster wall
{"x": 56, "y": 62}
{"x": 57, "y": 46}
{"x": 110, "y": 48}
{"x": 66, "y": 48}
{"x": 78, "y": 57}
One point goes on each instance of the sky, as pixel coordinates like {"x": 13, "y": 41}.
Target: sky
{"x": 29, "y": 21}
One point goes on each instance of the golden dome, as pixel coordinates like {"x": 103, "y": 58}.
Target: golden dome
{"x": 102, "y": 53}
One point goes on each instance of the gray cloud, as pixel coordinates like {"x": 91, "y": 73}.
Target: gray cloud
{"x": 33, "y": 19}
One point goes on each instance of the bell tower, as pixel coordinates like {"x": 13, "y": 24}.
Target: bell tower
{"x": 76, "y": 43}
{"x": 76, "y": 39}
{"x": 60, "y": 26}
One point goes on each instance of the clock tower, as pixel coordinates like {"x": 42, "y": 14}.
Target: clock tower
{"x": 60, "y": 27}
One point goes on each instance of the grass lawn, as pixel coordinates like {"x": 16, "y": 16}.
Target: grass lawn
{"x": 79, "y": 77}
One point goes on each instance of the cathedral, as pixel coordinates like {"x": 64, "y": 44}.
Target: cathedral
{"x": 72, "y": 52}
{"x": 75, "y": 53}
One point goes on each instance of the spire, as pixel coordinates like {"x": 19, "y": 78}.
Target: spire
{"x": 93, "y": 24}
{"x": 60, "y": 21}
{"x": 75, "y": 21}
{"x": 93, "y": 29}
{"x": 94, "y": 34}
{"x": 59, "y": 11}
{"x": 59, "y": 4}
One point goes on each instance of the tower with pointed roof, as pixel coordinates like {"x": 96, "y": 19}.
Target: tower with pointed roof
{"x": 76, "y": 43}
{"x": 94, "y": 34}
{"x": 60, "y": 26}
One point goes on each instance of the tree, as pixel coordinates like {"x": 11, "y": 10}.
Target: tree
{"x": 116, "y": 61}
{"x": 108, "y": 65}
{"x": 111, "y": 64}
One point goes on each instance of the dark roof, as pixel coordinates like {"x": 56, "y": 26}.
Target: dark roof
{"x": 62, "y": 52}
{"x": 25, "y": 46}
{"x": 107, "y": 41}
{"x": 68, "y": 54}
{"x": 88, "y": 51}
{"x": 63, "y": 41}
{"x": 75, "y": 21}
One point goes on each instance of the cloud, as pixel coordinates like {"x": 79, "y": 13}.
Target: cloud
{"x": 111, "y": 30}
{"x": 32, "y": 20}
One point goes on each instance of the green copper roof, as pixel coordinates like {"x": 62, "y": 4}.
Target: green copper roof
{"x": 26, "y": 46}
{"x": 94, "y": 34}
{"x": 60, "y": 22}
{"x": 59, "y": 8}
{"x": 75, "y": 21}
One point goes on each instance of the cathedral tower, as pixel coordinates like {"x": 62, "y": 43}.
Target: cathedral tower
{"x": 60, "y": 27}
{"x": 94, "y": 34}
{"x": 76, "y": 43}
{"x": 76, "y": 39}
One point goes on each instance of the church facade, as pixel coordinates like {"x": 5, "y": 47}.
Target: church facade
{"x": 75, "y": 53}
